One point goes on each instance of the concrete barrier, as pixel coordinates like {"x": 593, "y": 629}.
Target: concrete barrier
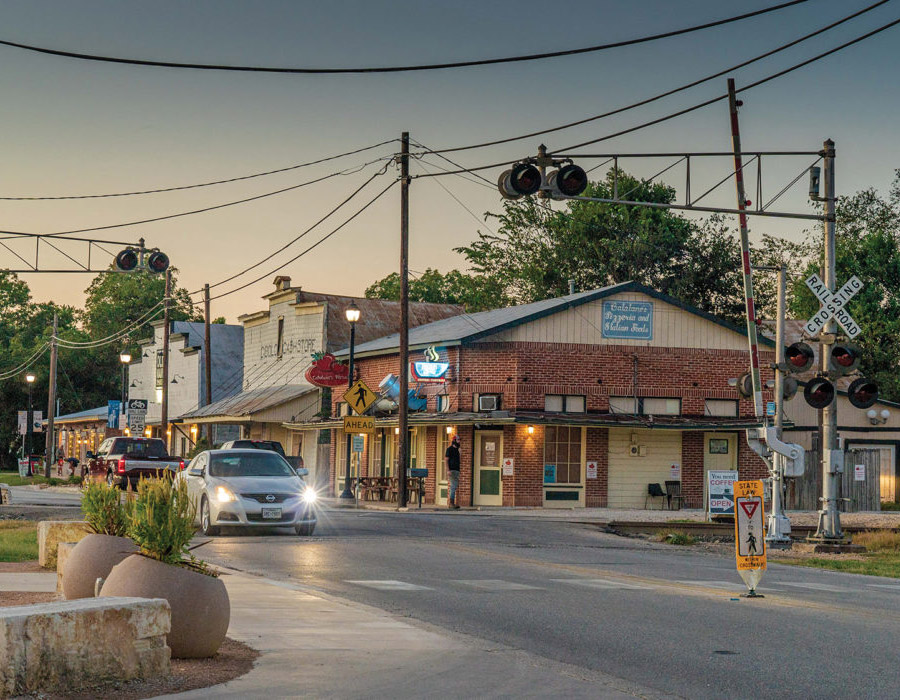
{"x": 4, "y": 494}
{"x": 61, "y": 646}
{"x": 51, "y": 532}
{"x": 62, "y": 553}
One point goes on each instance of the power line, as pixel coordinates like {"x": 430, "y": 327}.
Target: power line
{"x": 201, "y": 184}
{"x": 6, "y": 374}
{"x": 667, "y": 93}
{"x": 399, "y": 69}
{"x": 148, "y": 316}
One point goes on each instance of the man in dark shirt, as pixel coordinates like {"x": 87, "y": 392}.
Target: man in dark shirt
{"x": 451, "y": 461}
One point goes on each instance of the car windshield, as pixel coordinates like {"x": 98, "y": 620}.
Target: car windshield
{"x": 259, "y": 445}
{"x": 249, "y": 464}
{"x": 139, "y": 448}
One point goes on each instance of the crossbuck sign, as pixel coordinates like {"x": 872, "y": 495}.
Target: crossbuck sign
{"x": 833, "y": 306}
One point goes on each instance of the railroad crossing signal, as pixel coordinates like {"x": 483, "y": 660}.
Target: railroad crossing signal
{"x": 832, "y": 306}
{"x": 360, "y": 396}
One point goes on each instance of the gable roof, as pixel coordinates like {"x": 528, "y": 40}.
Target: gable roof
{"x": 469, "y": 328}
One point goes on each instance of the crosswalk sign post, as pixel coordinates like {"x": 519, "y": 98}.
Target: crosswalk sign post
{"x": 749, "y": 533}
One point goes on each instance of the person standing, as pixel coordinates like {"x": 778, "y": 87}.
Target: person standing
{"x": 451, "y": 462}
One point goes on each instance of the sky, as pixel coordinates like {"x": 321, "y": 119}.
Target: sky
{"x": 79, "y": 128}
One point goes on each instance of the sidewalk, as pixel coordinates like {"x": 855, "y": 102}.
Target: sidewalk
{"x": 314, "y": 645}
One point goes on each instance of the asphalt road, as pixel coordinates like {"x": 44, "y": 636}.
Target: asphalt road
{"x": 657, "y": 616}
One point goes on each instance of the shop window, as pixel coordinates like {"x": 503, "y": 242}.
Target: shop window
{"x": 623, "y": 404}
{"x": 661, "y": 407}
{"x": 443, "y": 403}
{"x": 562, "y": 452}
{"x": 280, "y": 342}
{"x": 377, "y": 455}
{"x": 721, "y": 407}
{"x": 559, "y": 403}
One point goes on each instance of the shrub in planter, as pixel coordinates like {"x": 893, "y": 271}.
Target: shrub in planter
{"x": 162, "y": 525}
{"x": 95, "y": 556}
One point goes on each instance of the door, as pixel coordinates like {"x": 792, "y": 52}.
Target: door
{"x": 487, "y": 488}
{"x": 719, "y": 453}
{"x": 441, "y": 485}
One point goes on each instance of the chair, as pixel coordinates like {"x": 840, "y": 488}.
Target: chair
{"x": 655, "y": 491}
{"x": 673, "y": 493}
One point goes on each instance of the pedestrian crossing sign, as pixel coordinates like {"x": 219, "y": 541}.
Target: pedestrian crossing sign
{"x": 360, "y": 397}
{"x": 749, "y": 531}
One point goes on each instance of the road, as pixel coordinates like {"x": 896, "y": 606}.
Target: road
{"x": 653, "y": 615}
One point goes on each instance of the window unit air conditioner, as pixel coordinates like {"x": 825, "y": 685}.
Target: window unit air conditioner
{"x": 489, "y": 402}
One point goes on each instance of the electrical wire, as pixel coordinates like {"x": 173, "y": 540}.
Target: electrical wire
{"x": 110, "y": 340}
{"x": 347, "y": 171}
{"x": 422, "y": 164}
{"x": 200, "y": 184}
{"x": 134, "y": 324}
{"x": 304, "y": 252}
{"x": 406, "y": 68}
{"x": 7, "y": 374}
{"x": 667, "y": 93}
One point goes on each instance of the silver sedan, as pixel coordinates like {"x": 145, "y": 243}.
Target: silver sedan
{"x": 249, "y": 488}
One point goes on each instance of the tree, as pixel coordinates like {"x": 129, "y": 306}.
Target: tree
{"x": 473, "y": 292}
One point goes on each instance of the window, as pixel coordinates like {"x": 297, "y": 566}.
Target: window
{"x": 562, "y": 450}
{"x": 721, "y": 407}
{"x": 646, "y": 407}
{"x": 279, "y": 344}
{"x": 378, "y": 455}
{"x": 443, "y": 403}
{"x": 159, "y": 369}
{"x": 623, "y": 404}
{"x": 557, "y": 403}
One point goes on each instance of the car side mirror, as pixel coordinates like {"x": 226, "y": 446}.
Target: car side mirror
{"x": 90, "y": 455}
{"x": 302, "y": 471}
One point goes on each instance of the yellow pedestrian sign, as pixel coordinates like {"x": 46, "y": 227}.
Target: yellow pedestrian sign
{"x": 749, "y": 532}
{"x": 360, "y": 397}
{"x": 359, "y": 424}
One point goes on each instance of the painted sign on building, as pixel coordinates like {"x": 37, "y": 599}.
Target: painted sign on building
{"x": 720, "y": 491}
{"x": 632, "y": 320}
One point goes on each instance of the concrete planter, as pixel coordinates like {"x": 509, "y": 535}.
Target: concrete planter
{"x": 200, "y": 606}
{"x": 90, "y": 559}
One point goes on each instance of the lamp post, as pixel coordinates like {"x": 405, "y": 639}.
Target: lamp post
{"x": 124, "y": 358}
{"x": 352, "y": 314}
{"x": 29, "y": 426}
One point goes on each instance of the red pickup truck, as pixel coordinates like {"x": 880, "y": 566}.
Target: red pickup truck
{"x": 124, "y": 460}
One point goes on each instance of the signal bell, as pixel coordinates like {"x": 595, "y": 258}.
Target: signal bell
{"x": 519, "y": 181}
{"x": 862, "y": 393}
{"x": 127, "y": 260}
{"x": 799, "y": 357}
{"x": 844, "y": 358}
{"x": 819, "y": 392}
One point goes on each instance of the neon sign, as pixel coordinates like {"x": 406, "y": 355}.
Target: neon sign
{"x": 430, "y": 370}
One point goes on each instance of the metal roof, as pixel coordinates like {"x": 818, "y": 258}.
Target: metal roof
{"x": 249, "y": 402}
{"x": 467, "y": 328}
{"x": 101, "y": 412}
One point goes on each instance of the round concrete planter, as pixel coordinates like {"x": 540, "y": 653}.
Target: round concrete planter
{"x": 200, "y": 606}
{"x": 93, "y": 558}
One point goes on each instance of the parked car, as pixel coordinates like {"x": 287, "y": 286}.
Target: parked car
{"x": 125, "y": 460}
{"x": 249, "y": 487}
{"x": 271, "y": 445}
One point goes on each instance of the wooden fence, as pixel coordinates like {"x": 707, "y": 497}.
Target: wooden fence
{"x": 803, "y": 493}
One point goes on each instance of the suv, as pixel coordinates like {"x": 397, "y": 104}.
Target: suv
{"x": 124, "y": 460}
{"x": 270, "y": 445}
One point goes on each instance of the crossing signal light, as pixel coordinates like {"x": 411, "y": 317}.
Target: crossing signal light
{"x": 745, "y": 385}
{"x": 128, "y": 260}
{"x": 519, "y": 181}
{"x": 157, "y": 261}
{"x": 862, "y": 393}
{"x": 799, "y": 357}
{"x": 570, "y": 180}
{"x": 844, "y": 358}
{"x": 819, "y": 392}
{"x": 789, "y": 388}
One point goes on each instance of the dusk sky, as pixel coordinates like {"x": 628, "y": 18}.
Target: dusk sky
{"x": 75, "y": 127}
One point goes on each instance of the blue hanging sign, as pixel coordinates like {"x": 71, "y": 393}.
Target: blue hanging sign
{"x": 113, "y": 409}
{"x": 630, "y": 320}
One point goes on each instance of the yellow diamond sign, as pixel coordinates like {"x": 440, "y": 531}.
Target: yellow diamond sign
{"x": 360, "y": 397}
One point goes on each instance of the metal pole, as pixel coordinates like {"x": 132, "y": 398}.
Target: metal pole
{"x": 745, "y": 254}
{"x": 778, "y": 529}
{"x": 404, "y": 319}
{"x": 50, "y": 450}
{"x": 829, "y": 517}
{"x": 29, "y": 428}
{"x": 164, "y": 410}
{"x": 207, "y": 357}
{"x": 348, "y": 491}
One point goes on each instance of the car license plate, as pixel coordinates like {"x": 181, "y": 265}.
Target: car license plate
{"x": 271, "y": 513}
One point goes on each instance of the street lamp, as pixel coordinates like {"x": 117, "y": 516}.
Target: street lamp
{"x": 29, "y": 427}
{"x": 352, "y": 314}
{"x": 124, "y": 358}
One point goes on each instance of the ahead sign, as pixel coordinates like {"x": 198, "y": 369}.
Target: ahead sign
{"x": 832, "y": 306}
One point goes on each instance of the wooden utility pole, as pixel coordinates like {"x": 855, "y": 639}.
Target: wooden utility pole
{"x": 404, "y": 319}
{"x": 164, "y": 411}
{"x": 50, "y": 451}
{"x": 207, "y": 357}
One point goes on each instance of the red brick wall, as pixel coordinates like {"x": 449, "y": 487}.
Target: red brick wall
{"x": 597, "y": 450}
{"x": 692, "y": 451}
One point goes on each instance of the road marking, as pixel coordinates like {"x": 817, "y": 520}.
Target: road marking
{"x": 730, "y": 585}
{"x": 389, "y": 585}
{"x": 817, "y": 587}
{"x": 601, "y": 583}
{"x": 888, "y": 586}
{"x": 494, "y": 584}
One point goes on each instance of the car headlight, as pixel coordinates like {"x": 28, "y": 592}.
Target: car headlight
{"x": 310, "y": 495}
{"x": 223, "y": 495}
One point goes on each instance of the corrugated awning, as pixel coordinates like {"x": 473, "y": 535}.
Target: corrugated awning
{"x": 241, "y": 407}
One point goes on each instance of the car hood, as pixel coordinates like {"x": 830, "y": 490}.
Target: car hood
{"x": 259, "y": 484}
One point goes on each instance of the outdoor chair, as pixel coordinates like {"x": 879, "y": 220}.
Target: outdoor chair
{"x": 673, "y": 494}
{"x": 655, "y": 491}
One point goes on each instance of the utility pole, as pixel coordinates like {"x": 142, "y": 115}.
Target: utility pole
{"x": 404, "y": 319}
{"x": 164, "y": 411}
{"x": 207, "y": 357}
{"x": 50, "y": 451}
{"x": 829, "y": 527}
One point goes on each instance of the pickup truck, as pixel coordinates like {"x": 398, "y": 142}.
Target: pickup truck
{"x": 121, "y": 461}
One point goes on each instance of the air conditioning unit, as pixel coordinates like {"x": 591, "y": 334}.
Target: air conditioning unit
{"x": 489, "y": 402}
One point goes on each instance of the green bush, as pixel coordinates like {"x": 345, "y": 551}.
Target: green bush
{"x": 162, "y": 523}
{"x": 106, "y": 512}
{"x": 676, "y": 537}
{"x": 201, "y": 445}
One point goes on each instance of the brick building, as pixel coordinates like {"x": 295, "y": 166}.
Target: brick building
{"x": 577, "y": 401}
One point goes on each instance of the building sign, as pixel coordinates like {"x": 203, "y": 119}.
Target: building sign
{"x": 859, "y": 472}
{"x": 720, "y": 490}
{"x": 431, "y": 369}
{"x": 591, "y": 470}
{"x": 326, "y": 371}
{"x": 549, "y": 473}
{"x": 631, "y": 320}
{"x": 675, "y": 471}
{"x": 508, "y": 465}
